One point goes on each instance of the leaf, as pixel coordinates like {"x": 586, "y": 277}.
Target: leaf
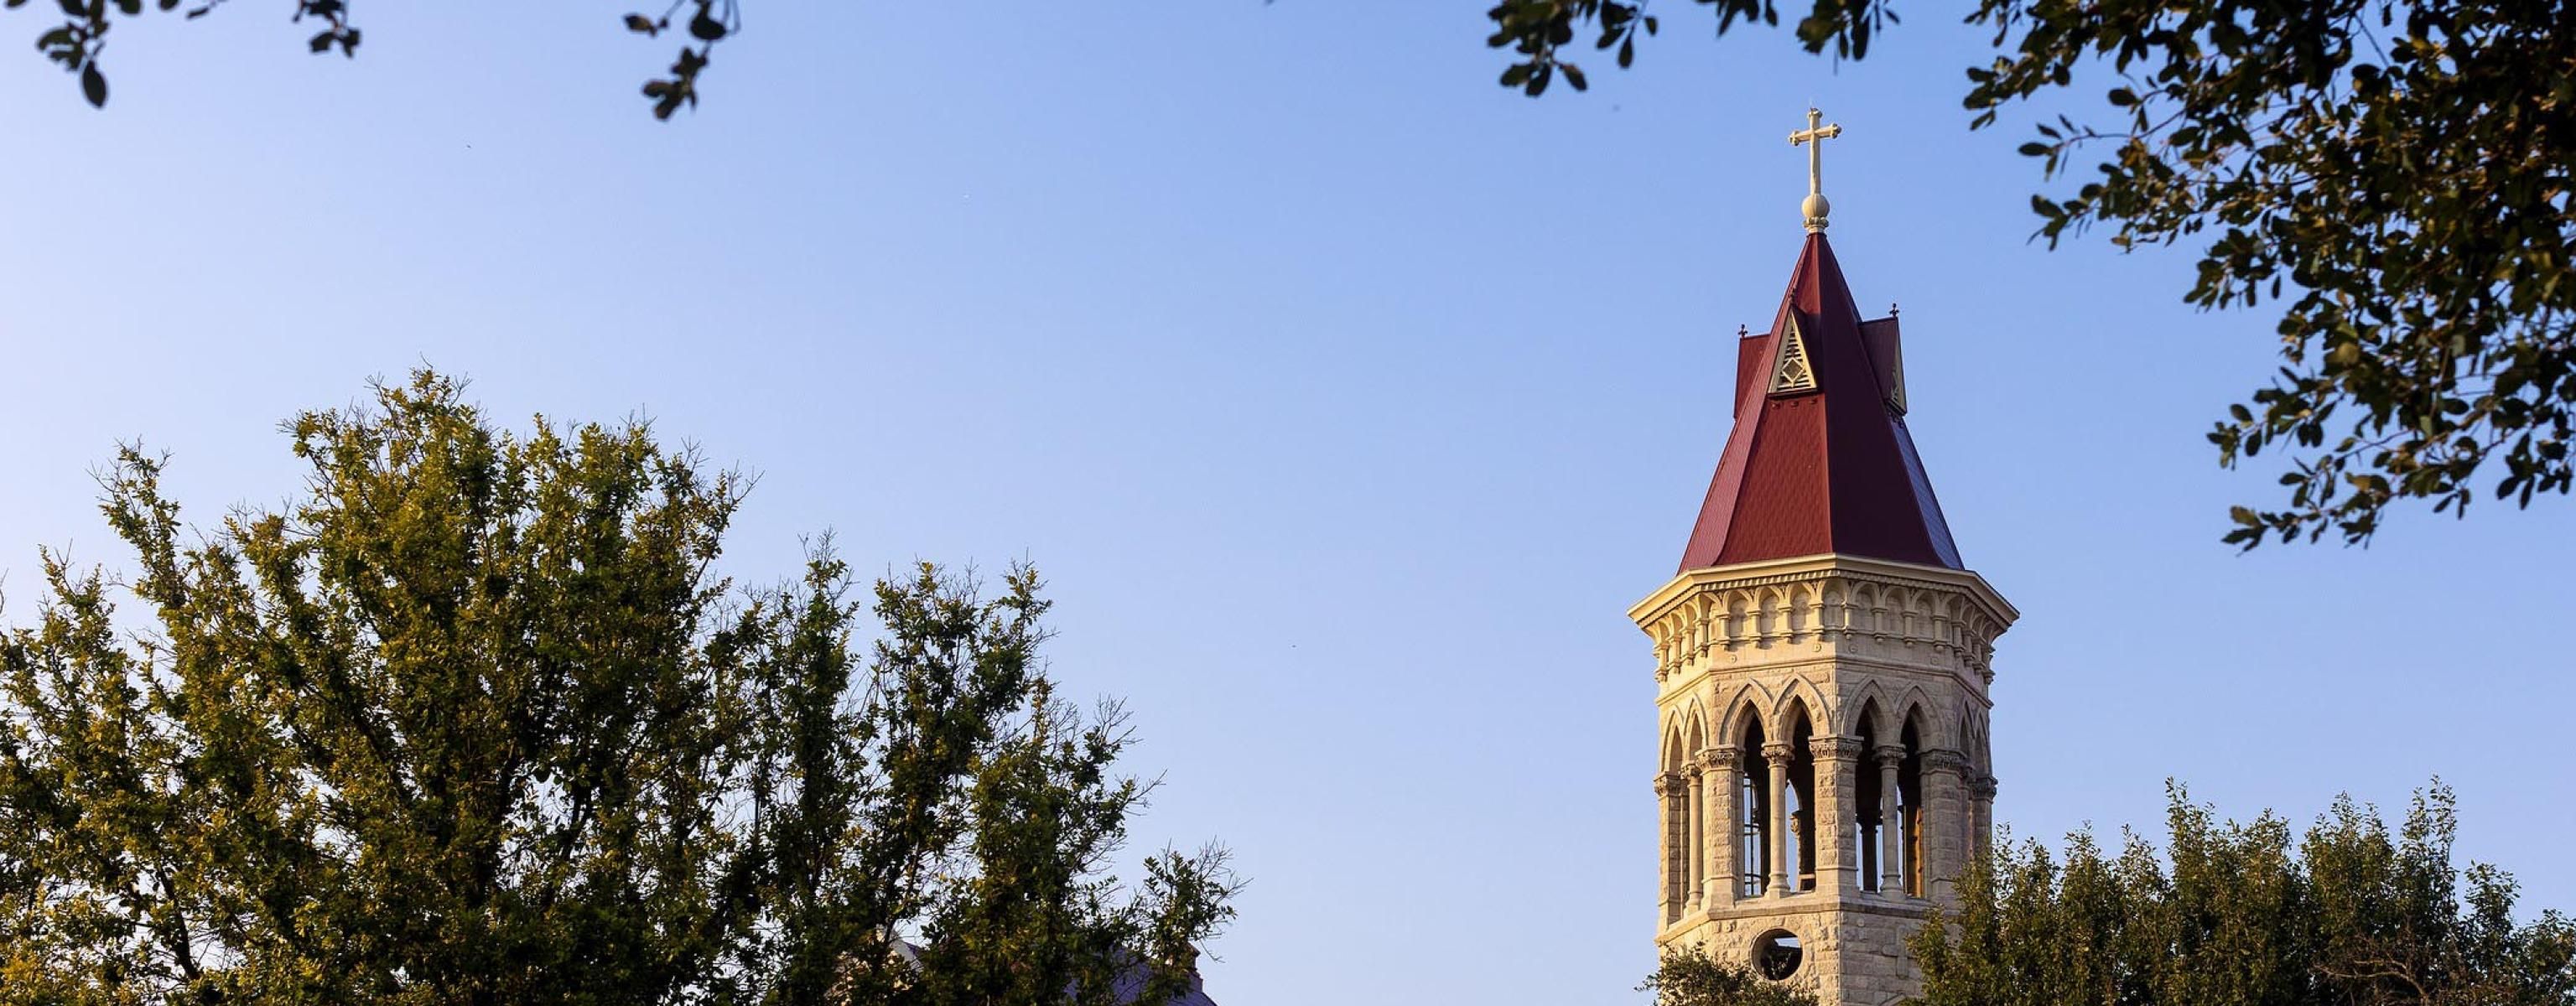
{"x": 704, "y": 27}
{"x": 1574, "y": 76}
{"x": 94, "y": 84}
{"x": 320, "y": 42}
{"x": 642, "y": 25}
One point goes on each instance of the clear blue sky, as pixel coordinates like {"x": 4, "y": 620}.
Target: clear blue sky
{"x": 1347, "y": 400}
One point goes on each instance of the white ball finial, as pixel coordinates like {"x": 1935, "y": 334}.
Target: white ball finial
{"x": 1815, "y": 207}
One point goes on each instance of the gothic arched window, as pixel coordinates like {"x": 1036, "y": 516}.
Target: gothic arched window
{"x": 1909, "y": 792}
{"x": 1753, "y": 817}
{"x": 1869, "y": 801}
{"x": 1802, "y": 800}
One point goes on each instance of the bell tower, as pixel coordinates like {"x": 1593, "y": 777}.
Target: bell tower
{"x": 1821, "y": 660}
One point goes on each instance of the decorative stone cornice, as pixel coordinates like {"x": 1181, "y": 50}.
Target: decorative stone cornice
{"x": 1901, "y": 611}
{"x": 1836, "y": 748}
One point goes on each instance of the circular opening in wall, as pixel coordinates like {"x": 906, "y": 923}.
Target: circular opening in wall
{"x": 1776, "y": 954}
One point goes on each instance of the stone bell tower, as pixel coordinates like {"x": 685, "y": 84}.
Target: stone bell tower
{"x": 1821, "y": 661}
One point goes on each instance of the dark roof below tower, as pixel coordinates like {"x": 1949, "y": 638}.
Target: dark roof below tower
{"x": 1820, "y": 460}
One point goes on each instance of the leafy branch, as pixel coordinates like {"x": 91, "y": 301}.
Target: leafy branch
{"x": 2396, "y": 178}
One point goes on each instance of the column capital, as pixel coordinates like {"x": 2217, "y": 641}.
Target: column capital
{"x": 1891, "y": 754}
{"x": 1671, "y": 784}
{"x": 1945, "y": 761}
{"x": 1723, "y": 758}
{"x": 1779, "y": 751}
{"x": 1835, "y": 748}
{"x": 1982, "y": 788}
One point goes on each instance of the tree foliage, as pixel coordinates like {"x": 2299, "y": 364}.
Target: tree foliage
{"x": 1691, "y": 976}
{"x": 2229, "y": 914}
{"x": 2396, "y": 177}
{"x": 471, "y": 720}
{"x": 79, "y": 41}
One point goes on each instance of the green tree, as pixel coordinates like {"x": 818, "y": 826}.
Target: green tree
{"x": 471, "y": 720}
{"x": 2230, "y": 914}
{"x": 2396, "y": 176}
{"x": 1691, "y": 976}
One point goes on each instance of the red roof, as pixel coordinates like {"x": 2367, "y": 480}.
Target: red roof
{"x": 1827, "y": 468}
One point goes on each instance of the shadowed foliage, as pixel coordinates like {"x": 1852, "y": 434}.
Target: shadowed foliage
{"x": 471, "y": 720}
{"x": 2350, "y": 914}
{"x": 1690, "y": 976}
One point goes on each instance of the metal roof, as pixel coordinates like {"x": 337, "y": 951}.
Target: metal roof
{"x": 1826, "y": 469}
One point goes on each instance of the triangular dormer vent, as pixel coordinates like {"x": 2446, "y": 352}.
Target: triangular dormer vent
{"x": 1793, "y": 373}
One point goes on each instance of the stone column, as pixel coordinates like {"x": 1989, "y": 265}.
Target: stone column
{"x": 1837, "y": 860}
{"x": 1776, "y": 753}
{"x": 1981, "y": 816}
{"x": 1720, "y": 767}
{"x": 1694, "y": 845}
{"x": 1668, "y": 790}
{"x": 1891, "y": 822}
{"x": 1945, "y": 821}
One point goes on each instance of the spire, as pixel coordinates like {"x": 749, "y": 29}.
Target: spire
{"x": 1820, "y": 460}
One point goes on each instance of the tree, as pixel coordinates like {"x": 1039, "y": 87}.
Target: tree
{"x": 2348, "y": 915}
{"x": 1691, "y": 976}
{"x": 473, "y": 721}
{"x": 79, "y": 41}
{"x": 2397, "y": 175}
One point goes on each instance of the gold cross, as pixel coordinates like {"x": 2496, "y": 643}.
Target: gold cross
{"x": 1813, "y": 138}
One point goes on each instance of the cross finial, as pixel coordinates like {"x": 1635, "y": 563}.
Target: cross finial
{"x": 1813, "y": 138}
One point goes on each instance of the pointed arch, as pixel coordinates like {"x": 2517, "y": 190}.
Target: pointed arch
{"x": 1921, "y": 713}
{"x": 1673, "y": 754}
{"x": 1866, "y": 708}
{"x": 1745, "y": 714}
{"x": 1694, "y": 728}
{"x": 1978, "y": 747}
{"x": 1819, "y": 712}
